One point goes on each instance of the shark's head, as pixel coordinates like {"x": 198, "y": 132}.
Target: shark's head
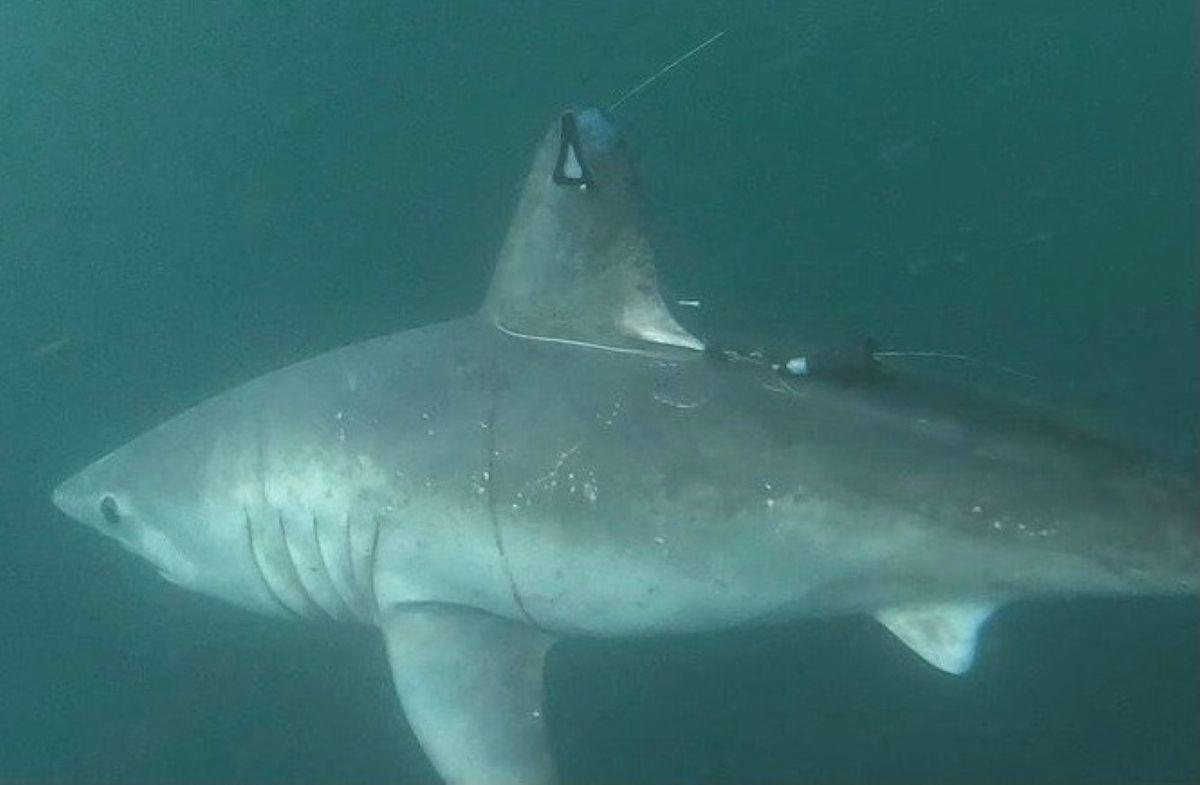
{"x": 150, "y": 497}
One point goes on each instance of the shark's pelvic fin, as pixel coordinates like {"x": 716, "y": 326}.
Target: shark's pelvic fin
{"x": 471, "y": 687}
{"x": 576, "y": 267}
{"x": 944, "y": 635}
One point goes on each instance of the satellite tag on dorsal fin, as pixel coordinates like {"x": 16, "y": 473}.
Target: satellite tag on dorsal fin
{"x": 576, "y": 267}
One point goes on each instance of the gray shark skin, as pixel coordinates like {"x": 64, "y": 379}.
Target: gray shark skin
{"x": 568, "y": 461}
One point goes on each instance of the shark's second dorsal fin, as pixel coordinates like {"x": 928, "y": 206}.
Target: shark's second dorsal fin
{"x": 576, "y": 267}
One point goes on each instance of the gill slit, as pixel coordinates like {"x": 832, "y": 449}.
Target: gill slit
{"x": 371, "y": 573}
{"x": 291, "y": 562}
{"x": 337, "y": 590}
{"x": 361, "y": 582}
{"x": 497, "y": 534}
{"x": 259, "y": 566}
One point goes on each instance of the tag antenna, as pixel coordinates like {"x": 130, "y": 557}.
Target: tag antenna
{"x": 662, "y": 71}
{"x": 961, "y": 358}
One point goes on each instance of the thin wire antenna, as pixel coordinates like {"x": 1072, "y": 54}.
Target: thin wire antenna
{"x": 961, "y": 358}
{"x": 662, "y": 71}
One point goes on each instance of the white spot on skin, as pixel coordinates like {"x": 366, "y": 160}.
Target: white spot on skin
{"x": 661, "y": 540}
{"x": 674, "y": 403}
{"x": 550, "y": 477}
{"x": 976, "y": 509}
{"x": 612, "y": 415}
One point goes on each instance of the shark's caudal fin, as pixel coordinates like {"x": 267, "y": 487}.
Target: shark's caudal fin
{"x": 576, "y": 267}
{"x": 944, "y": 635}
{"x": 471, "y": 687}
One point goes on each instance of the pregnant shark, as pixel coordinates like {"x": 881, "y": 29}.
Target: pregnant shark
{"x": 570, "y": 461}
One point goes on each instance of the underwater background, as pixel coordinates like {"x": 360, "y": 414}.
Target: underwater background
{"x": 192, "y": 194}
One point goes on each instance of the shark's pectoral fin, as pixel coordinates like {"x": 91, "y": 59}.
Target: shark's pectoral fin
{"x": 471, "y": 687}
{"x": 945, "y": 635}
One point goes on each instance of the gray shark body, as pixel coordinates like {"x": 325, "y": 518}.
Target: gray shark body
{"x": 569, "y": 461}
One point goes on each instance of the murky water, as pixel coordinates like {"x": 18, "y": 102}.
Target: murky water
{"x": 193, "y": 195}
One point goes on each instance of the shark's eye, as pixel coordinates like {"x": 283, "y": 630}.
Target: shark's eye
{"x": 109, "y": 510}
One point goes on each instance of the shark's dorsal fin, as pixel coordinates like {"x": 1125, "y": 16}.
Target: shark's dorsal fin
{"x": 944, "y": 635}
{"x": 576, "y": 267}
{"x": 471, "y": 687}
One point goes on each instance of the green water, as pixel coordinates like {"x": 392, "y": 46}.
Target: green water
{"x": 193, "y": 194}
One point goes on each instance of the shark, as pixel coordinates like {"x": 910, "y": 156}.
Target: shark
{"x": 569, "y": 460}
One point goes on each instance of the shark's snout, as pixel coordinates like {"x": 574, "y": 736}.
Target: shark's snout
{"x": 67, "y": 496}
{"x": 82, "y": 499}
